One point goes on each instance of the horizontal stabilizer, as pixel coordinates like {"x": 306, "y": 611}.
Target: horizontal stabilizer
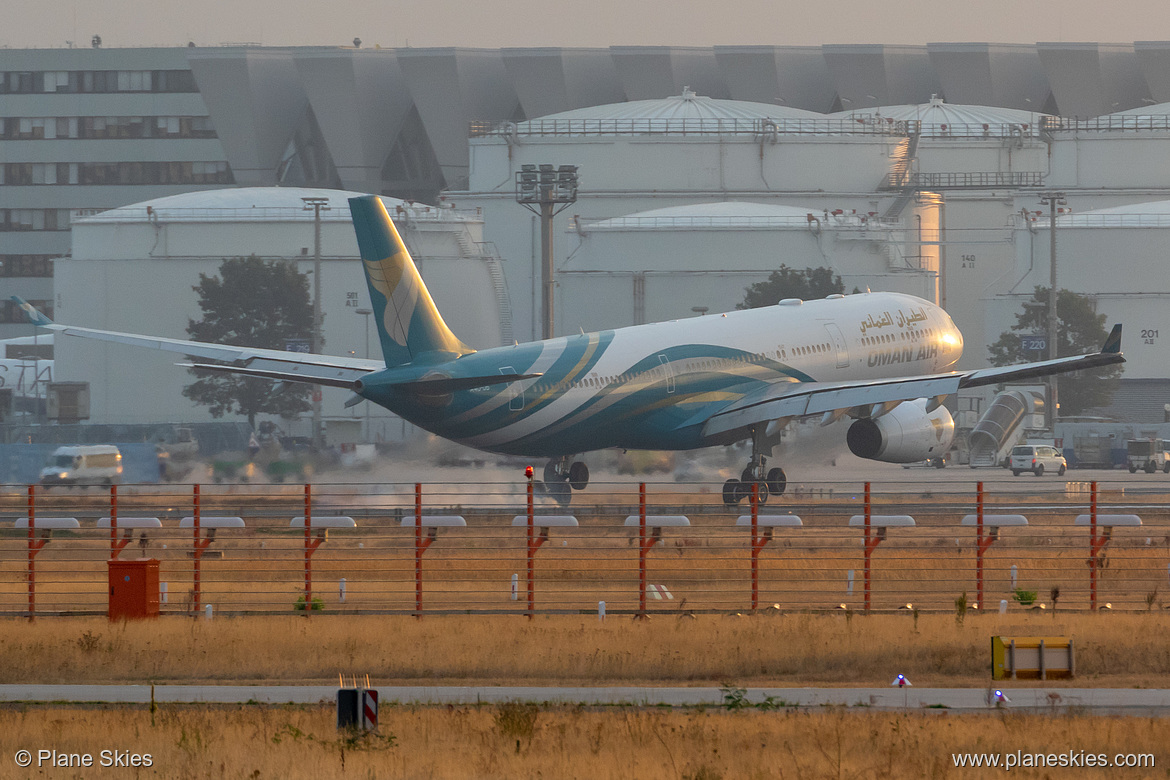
{"x": 283, "y": 376}
{"x": 452, "y": 384}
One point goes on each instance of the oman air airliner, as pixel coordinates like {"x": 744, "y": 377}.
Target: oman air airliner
{"x": 882, "y": 359}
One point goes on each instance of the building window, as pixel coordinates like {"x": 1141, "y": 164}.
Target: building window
{"x": 26, "y": 266}
{"x": 22, "y": 174}
{"x": 82, "y": 81}
{"x": 105, "y": 127}
{"x": 20, "y": 220}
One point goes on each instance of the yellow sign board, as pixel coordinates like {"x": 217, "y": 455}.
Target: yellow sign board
{"x": 1032, "y": 657}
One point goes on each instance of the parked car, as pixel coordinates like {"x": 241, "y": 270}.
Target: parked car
{"x": 1037, "y": 458}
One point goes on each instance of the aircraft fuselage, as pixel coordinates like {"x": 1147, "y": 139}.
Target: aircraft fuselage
{"x": 654, "y": 385}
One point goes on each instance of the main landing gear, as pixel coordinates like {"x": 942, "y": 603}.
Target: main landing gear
{"x": 769, "y": 482}
{"x": 564, "y": 475}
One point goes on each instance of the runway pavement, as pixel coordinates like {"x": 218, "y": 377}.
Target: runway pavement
{"x": 1096, "y": 700}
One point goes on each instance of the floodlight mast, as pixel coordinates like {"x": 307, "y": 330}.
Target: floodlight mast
{"x": 1052, "y": 200}
{"x": 316, "y": 205}
{"x": 546, "y": 191}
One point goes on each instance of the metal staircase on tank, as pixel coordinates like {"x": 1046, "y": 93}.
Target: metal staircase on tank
{"x": 998, "y": 429}
{"x": 900, "y": 176}
{"x": 471, "y": 249}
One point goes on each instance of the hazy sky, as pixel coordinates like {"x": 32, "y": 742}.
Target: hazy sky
{"x": 496, "y": 23}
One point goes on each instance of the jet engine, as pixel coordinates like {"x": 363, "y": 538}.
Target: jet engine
{"x": 905, "y": 435}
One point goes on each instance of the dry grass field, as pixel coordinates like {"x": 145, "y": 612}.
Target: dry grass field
{"x": 515, "y": 741}
{"x": 1113, "y": 649}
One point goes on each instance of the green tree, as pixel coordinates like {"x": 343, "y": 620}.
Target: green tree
{"x": 252, "y": 303}
{"x": 787, "y": 282}
{"x": 1079, "y": 330}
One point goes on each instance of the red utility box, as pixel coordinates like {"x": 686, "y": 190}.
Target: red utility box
{"x": 133, "y": 589}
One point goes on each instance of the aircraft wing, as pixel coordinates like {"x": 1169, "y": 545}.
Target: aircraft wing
{"x": 869, "y": 398}
{"x": 269, "y": 363}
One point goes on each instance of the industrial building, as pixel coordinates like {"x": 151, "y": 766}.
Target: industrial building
{"x": 641, "y": 157}
{"x": 916, "y": 168}
{"x": 134, "y": 269}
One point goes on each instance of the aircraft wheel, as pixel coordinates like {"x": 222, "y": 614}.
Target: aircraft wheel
{"x": 550, "y": 472}
{"x": 761, "y": 492}
{"x": 731, "y": 494}
{"x": 747, "y": 475}
{"x": 777, "y": 481}
{"x": 578, "y": 476}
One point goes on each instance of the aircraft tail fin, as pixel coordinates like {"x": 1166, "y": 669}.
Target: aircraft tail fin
{"x": 408, "y": 322}
{"x": 1113, "y": 343}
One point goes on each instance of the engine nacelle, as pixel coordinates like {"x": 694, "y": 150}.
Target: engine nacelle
{"x": 907, "y": 434}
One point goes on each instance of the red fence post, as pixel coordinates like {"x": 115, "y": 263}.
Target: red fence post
{"x": 114, "y": 548}
{"x": 979, "y": 545}
{"x": 418, "y": 549}
{"x": 755, "y": 545}
{"x": 641, "y": 549}
{"x": 1093, "y": 548}
{"x": 197, "y": 554}
{"x": 868, "y": 547}
{"x": 531, "y": 553}
{"x": 308, "y": 551}
{"x": 32, "y": 553}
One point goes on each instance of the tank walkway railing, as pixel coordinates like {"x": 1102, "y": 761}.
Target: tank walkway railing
{"x": 964, "y": 180}
{"x": 758, "y": 128}
{"x": 1110, "y": 123}
{"x": 681, "y": 550}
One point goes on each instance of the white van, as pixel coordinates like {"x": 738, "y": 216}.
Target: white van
{"x": 100, "y": 464}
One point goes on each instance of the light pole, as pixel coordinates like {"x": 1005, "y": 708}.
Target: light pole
{"x": 1052, "y": 200}
{"x": 366, "y": 315}
{"x": 316, "y": 205}
{"x": 541, "y": 192}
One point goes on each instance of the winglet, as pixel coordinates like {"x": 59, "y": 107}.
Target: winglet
{"x": 30, "y": 311}
{"x": 1113, "y": 343}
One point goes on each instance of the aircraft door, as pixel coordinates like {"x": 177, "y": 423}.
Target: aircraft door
{"x": 516, "y": 404}
{"x": 839, "y": 344}
{"x": 666, "y": 370}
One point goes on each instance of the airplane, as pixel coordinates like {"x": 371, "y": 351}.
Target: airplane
{"x": 880, "y": 358}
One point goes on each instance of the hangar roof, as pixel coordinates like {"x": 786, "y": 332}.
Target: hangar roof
{"x": 940, "y": 118}
{"x": 236, "y": 204}
{"x": 688, "y": 105}
{"x": 687, "y": 113}
{"x": 1155, "y": 109}
{"x": 725, "y": 215}
{"x": 1154, "y": 214}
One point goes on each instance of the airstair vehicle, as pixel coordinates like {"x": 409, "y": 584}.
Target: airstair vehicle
{"x": 1000, "y": 427}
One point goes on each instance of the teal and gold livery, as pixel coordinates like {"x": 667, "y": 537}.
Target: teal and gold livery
{"x": 409, "y": 324}
{"x": 882, "y": 359}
